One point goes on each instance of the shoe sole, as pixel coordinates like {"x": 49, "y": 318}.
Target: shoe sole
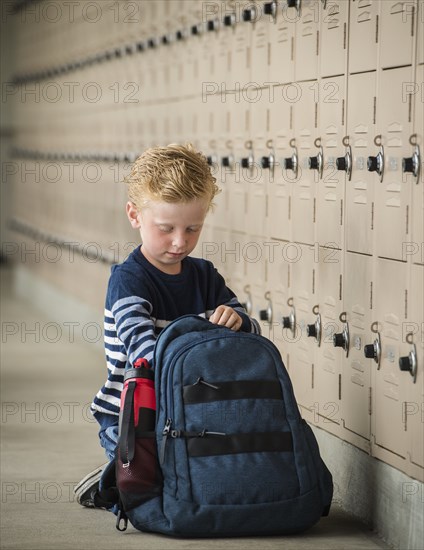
{"x": 91, "y": 481}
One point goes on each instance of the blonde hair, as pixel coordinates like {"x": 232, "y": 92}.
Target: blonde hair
{"x": 175, "y": 173}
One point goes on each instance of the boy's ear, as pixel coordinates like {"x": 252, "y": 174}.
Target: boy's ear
{"x": 133, "y": 215}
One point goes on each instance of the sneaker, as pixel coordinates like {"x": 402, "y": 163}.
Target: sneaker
{"x": 87, "y": 487}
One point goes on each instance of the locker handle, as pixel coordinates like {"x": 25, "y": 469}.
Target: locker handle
{"x": 409, "y": 363}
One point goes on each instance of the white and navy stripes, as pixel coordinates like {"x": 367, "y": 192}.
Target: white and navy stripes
{"x": 141, "y": 300}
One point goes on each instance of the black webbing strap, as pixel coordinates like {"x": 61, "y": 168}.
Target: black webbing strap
{"x": 212, "y": 445}
{"x": 224, "y": 391}
{"x": 127, "y": 435}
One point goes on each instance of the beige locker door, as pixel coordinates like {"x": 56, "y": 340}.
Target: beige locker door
{"x": 393, "y": 195}
{"x": 300, "y": 348}
{"x": 222, "y": 70}
{"x": 356, "y": 369}
{"x": 414, "y": 408}
{"x": 331, "y": 190}
{"x": 416, "y": 249}
{"x": 281, "y": 39}
{"x": 237, "y": 196}
{"x": 260, "y": 49}
{"x": 390, "y": 384}
{"x": 259, "y": 183}
{"x": 360, "y": 190}
{"x": 307, "y": 40}
{"x": 334, "y": 38}
{"x": 328, "y": 270}
{"x": 304, "y": 186}
{"x": 278, "y": 283}
{"x": 280, "y": 190}
{"x": 218, "y": 113}
{"x": 397, "y": 19}
{"x": 253, "y": 254}
{"x": 241, "y": 53}
{"x": 420, "y": 33}
{"x": 231, "y": 252}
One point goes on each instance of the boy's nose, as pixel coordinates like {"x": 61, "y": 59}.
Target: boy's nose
{"x": 179, "y": 241}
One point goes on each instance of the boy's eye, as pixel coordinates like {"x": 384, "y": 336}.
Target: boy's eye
{"x": 165, "y": 228}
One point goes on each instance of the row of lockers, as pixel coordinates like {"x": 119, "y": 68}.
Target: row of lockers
{"x": 290, "y": 40}
{"x": 351, "y": 336}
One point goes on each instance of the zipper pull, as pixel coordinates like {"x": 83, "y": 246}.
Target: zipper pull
{"x": 201, "y": 381}
{"x": 165, "y": 434}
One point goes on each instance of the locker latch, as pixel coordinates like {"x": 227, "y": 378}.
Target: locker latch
{"x": 315, "y": 330}
{"x": 228, "y": 162}
{"x": 229, "y": 20}
{"x": 345, "y": 163}
{"x": 250, "y": 14}
{"x": 341, "y": 339}
{"x": 376, "y": 164}
{"x": 268, "y": 163}
{"x": 412, "y": 164}
{"x": 294, "y": 4}
{"x": 291, "y": 163}
{"x": 290, "y": 321}
{"x": 248, "y": 303}
{"x": 409, "y": 363}
{"x": 248, "y": 162}
{"x": 270, "y": 8}
{"x": 213, "y": 25}
{"x": 317, "y": 163}
{"x": 266, "y": 314}
{"x": 373, "y": 351}
{"x": 212, "y": 160}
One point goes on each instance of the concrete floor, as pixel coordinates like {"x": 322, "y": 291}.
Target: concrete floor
{"x": 49, "y": 441}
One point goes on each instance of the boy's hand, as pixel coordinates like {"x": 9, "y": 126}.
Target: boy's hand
{"x": 226, "y": 316}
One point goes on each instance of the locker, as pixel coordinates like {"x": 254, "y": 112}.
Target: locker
{"x": 263, "y": 175}
{"x": 260, "y": 48}
{"x": 413, "y": 339}
{"x": 230, "y": 251}
{"x": 393, "y": 197}
{"x": 334, "y": 38}
{"x": 332, "y": 189}
{"x": 281, "y": 39}
{"x": 307, "y": 41}
{"x": 281, "y": 128}
{"x": 278, "y": 283}
{"x": 244, "y": 170}
{"x": 420, "y": 33}
{"x": 390, "y": 385}
{"x": 253, "y": 253}
{"x": 304, "y": 190}
{"x": 300, "y": 348}
{"x": 398, "y": 19}
{"x": 241, "y": 53}
{"x": 360, "y": 190}
{"x": 328, "y": 279}
{"x": 415, "y": 250}
{"x": 356, "y": 369}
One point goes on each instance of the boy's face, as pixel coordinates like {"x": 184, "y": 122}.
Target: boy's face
{"x": 169, "y": 231}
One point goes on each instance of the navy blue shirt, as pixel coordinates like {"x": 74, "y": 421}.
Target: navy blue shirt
{"x": 141, "y": 300}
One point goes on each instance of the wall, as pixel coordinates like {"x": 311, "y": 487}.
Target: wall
{"x": 311, "y": 114}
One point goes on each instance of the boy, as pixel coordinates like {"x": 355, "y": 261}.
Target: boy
{"x": 170, "y": 191}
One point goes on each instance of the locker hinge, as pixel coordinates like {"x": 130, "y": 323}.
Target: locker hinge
{"x": 312, "y": 376}
{"x": 375, "y": 110}
{"x": 413, "y": 20}
{"x": 341, "y": 211}
{"x": 317, "y": 52}
{"x": 288, "y": 276}
{"x": 405, "y": 416}
{"x": 410, "y": 108}
{"x": 269, "y": 54}
{"x": 314, "y": 212}
{"x": 344, "y": 36}
{"x": 267, "y": 120}
{"x": 248, "y": 57}
{"x": 407, "y": 218}
{"x": 372, "y": 216}
{"x": 340, "y": 387}
{"x": 343, "y": 112}
{"x": 371, "y": 296}
{"x": 316, "y": 115}
{"x": 406, "y": 303}
{"x": 377, "y": 22}
{"x": 370, "y": 401}
{"x": 340, "y": 286}
{"x": 292, "y": 49}
{"x": 289, "y": 207}
{"x": 291, "y": 117}
{"x": 313, "y": 281}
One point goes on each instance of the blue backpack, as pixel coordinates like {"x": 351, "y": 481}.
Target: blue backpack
{"x": 226, "y": 453}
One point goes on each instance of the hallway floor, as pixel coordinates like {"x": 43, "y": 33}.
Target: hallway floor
{"x": 49, "y": 442}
